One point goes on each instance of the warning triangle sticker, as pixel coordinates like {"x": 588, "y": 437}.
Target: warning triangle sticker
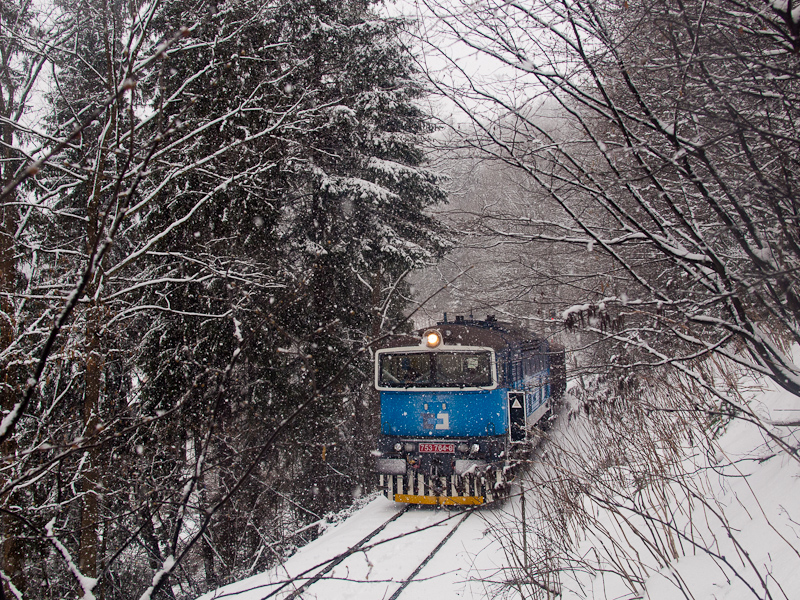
{"x": 516, "y": 403}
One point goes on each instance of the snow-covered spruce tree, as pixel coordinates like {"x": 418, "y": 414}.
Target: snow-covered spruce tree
{"x": 214, "y": 268}
{"x": 357, "y": 222}
{"x": 304, "y": 180}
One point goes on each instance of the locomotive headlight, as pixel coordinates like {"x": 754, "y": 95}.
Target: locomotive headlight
{"x": 398, "y": 446}
{"x": 463, "y": 448}
{"x": 409, "y": 447}
{"x": 432, "y": 338}
{"x": 475, "y": 448}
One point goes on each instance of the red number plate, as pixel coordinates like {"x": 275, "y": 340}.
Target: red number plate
{"x": 451, "y": 448}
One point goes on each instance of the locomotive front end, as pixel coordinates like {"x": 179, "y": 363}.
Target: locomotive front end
{"x": 444, "y": 422}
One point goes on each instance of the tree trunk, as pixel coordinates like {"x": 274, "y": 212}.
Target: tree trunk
{"x": 90, "y": 482}
{"x": 90, "y": 511}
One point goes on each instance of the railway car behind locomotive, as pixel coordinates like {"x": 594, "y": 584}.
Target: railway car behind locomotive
{"x": 458, "y": 402}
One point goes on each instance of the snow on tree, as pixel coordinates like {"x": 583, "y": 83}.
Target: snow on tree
{"x": 657, "y": 141}
{"x": 224, "y": 192}
{"x": 675, "y": 160}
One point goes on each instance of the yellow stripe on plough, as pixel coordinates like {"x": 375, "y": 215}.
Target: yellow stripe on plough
{"x": 443, "y": 500}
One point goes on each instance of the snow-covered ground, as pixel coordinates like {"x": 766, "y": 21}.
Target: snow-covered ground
{"x": 456, "y": 571}
{"x": 738, "y": 537}
{"x": 732, "y": 526}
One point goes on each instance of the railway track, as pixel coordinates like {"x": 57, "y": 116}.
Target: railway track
{"x": 314, "y": 574}
{"x": 333, "y": 563}
{"x": 428, "y": 558}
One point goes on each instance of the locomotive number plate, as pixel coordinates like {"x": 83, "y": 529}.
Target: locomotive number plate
{"x": 451, "y": 448}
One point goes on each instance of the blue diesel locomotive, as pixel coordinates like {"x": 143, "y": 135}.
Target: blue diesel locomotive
{"x": 457, "y": 405}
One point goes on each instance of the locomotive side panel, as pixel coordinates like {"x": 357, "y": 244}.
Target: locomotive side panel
{"x": 536, "y": 377}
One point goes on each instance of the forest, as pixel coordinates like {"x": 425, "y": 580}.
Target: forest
{"x": 213, "y": 210}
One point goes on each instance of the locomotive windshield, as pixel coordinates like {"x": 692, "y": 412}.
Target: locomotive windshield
{"x": 435, "y": 369}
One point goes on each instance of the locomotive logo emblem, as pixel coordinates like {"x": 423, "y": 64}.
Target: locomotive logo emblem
{"x": 436, "y": 421}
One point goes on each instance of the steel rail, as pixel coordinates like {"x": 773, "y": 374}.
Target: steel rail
{"x": 428, "y": 558}
{"x": 336, "y": 561}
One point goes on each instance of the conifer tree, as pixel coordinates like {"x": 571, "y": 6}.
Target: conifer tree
{"x": 291, "y": 210}
{"x": 358, "y": 223}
